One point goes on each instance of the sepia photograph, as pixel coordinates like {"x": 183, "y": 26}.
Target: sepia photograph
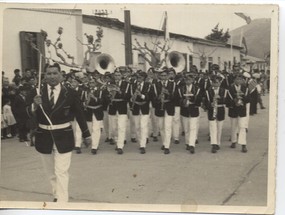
{"x": 139, "y": 107}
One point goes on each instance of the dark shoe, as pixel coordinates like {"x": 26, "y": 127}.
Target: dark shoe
{"x": 263, "y": 107}
{"x": 217, "y": 147}
{"x": 112, "y": 142}
{"x": 197, "y": 142}
{"x": 162, "y": 148}
{"x": 142, "y": 150}
{"x": 133, "y": 140}
{"x": 107, "y": 140}
{"x": 187, "y": 147}
{"x": 214, "y": 149}
{"x": 125, "y": 142}
{"x": 233, "y": 145}
{"x": 183, "y": 133}
{"x": 244, "y": 149}
{"x": 176, "y": 141}
{"x": 155, "y": 139}
{"x": 55, "y": 200}
{"x": 120, "y": 151}
{"x": 32, "y": 144}
{"x": 246, "y": 130}
{"x": 78, "y": 150}
{"x": 94, "y": 151}
{"x": 166, "y": 151}
{"x": 192, "y": 149}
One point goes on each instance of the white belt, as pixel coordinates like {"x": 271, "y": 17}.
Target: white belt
{"x": 54, "y": 127}
{"x": 94, "y": 107}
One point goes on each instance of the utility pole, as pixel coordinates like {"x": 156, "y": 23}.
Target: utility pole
{"x": 128, "y": 38}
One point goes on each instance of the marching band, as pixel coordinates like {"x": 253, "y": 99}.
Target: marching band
{"x": 171, "y": 103}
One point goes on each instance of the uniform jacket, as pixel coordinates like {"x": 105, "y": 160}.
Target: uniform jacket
{"x": 141, "y": 103}
{"x": 235, "y": 110}
{"x": 168, "y": 105}
{"x": 192, "y": 108}
{"x": 100, "y": 96}
{"x": 124, "y": 95}
{"x": 67, "y": 107}
{"x": 221, "y": 101}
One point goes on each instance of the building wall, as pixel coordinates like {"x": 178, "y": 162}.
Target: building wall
{"x": 117, "y": 49}
{"x": 219, "y": 55}
{"x": 22, "y": 20}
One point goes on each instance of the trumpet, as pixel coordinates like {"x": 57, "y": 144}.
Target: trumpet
{"x": 133, "y": 99}
{"x": 113, "y": 89}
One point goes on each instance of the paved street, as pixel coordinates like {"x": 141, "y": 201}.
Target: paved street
{"x": 228, "y": 177}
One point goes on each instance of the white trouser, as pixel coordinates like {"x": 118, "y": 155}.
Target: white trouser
{"x": 198, "y": 126}
{"x": 112, "y": 127}
{"x": 238, "y": 127}
{"x": 106, "y": 123}
{"x": 95, "y": 130}
{"x": 247, "y": 114}
{"x": 176, "y": 124}
{"x": 216, "y": 128}
{"x": 119, "y": 124}
{"x": 77, "y": 134}
{"x": 154, "y": 122}
{"x": 133, "y": 131}
{"x": 141, "y": 127}
{"x": 190, "y": 128}
{"x": 56, "y": 166}
{"x": 165, "y": 125}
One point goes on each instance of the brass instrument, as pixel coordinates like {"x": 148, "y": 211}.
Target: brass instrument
{"x": 239, "y": 98}
{"x": 164, "y": 92}
{"x": 133, "y": 99}
{"x": 113, "y": 89}
{"x": 176, "y": 61}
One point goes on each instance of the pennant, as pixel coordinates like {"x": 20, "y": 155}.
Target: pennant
{"x": 245, "y": 17}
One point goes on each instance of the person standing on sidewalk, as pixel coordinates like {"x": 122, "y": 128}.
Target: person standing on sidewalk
{"x": 55, "y": 108}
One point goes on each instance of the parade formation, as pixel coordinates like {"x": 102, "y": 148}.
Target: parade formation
{"x": 171, "y": 102}
{"x": 64, "y": 110}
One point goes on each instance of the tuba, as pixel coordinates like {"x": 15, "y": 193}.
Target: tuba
{"x": 104, "y": 63}
{"x": 175, "y": 60}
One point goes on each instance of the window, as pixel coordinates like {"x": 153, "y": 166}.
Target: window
{"x": 29, "y": 56}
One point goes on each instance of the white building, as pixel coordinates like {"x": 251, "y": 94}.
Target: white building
{"x": 18, "y": 54}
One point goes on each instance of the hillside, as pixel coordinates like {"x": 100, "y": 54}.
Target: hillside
{"x": 257, "y": 35}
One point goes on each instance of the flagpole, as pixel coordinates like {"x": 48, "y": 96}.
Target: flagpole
{"x": 231, "y": 38}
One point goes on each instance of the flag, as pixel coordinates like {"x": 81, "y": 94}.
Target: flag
{"x": 251, "y": 85}
{"x": 245, "y": 17}
{"x": 244, "y": 45}
{"x": 165, "y": 27}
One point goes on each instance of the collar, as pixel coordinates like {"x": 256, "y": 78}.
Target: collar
{"x": 57, "y": 87}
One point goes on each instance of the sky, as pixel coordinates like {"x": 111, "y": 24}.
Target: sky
{"x": 191, "y": 20}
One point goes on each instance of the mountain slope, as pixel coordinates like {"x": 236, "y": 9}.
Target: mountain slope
{"x": 257, "y": 36}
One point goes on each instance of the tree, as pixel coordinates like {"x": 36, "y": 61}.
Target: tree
{"x": 218, "y": 35}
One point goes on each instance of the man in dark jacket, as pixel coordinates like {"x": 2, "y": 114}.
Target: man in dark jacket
{"x": 55, "y": 108}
